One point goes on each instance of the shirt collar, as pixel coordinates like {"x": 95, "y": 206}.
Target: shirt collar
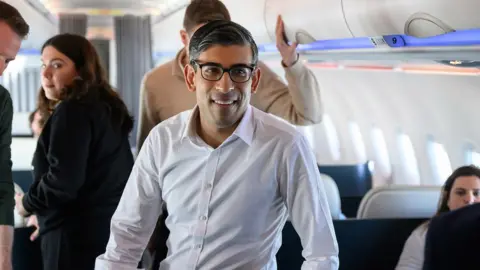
{"x": 246, "y": 127}
{"x": 244, "y": 130}
{"x": 191, "y": 127}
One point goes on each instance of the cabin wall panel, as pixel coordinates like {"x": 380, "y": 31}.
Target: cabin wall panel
{"x": 417, "y": 104}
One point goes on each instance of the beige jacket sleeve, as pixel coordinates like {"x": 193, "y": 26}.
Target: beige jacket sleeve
{"x": 299, "y": 102}
{"x": 147, "y": 118}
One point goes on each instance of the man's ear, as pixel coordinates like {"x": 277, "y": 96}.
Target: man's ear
{"x": 189, "y": 75}
{"x": 257, "y": 74}
{"x": 184, "y": 37}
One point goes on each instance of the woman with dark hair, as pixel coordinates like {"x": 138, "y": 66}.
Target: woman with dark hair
{"x": 462, "y": 188}
{"x": 83, "y": 157}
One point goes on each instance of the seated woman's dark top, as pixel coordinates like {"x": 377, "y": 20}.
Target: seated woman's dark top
{"x": 81, "y": 166}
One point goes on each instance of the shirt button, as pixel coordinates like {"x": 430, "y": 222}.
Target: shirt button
{"x": 209, "y": 185}
{"x": 203, "y": 218}
{"x": 198, "y": 246}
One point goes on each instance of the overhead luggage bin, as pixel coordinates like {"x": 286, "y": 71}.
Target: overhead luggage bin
{"x": 353, "y": 29}
{"x": 338, "y": 19}
{"x": 306, "y": 20}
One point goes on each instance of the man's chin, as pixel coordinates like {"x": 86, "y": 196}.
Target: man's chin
{"x": 223, "y": 123}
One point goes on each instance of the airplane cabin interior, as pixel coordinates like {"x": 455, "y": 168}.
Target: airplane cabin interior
{"x": 399, "y": 84}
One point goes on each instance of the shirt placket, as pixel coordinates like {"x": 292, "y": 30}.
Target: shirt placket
{"x": 205, "y": 196}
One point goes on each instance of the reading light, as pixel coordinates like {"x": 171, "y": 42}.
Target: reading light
{"x": 456, "y": 62}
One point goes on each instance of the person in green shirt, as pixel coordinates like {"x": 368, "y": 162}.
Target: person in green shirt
{"x": 13, "y": 29}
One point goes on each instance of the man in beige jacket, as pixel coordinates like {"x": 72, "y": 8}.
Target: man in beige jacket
{"x": 164, "y": 93}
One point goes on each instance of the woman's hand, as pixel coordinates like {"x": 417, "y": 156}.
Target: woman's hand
{"x": 33, "y": 222}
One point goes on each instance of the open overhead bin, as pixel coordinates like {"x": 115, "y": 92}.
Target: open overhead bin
{"x": 380, "y": 29}
{"x": 363, "y": 29}
{"x": 333, "y": 19}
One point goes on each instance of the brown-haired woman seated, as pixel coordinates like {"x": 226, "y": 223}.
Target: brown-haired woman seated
{"x": 462, "y": 188}
{"x": 83, "y": 157}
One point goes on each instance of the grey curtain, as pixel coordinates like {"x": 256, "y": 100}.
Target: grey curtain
{"x": 23, "y": 88}
{"x": 134, "y": 58}
{"x": 102, "y": 47}
{"x": 73, "y": 24}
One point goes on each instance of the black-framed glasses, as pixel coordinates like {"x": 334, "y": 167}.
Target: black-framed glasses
{"x": 239, "y": 73}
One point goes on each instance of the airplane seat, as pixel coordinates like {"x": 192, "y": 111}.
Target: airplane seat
{"x": 19, "y": 221}
{"x": 333, "y": 197}
{"x": 353, "y": 182}
{"x": 364, "y": 244}
{"x": 24, "y": 178}
{"x": 400, "y": 201}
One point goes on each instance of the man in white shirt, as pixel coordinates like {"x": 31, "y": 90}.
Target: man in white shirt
{"x": 228, "y": 174}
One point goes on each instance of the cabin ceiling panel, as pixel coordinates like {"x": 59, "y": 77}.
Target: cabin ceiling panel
{"x": 111, "y": 7}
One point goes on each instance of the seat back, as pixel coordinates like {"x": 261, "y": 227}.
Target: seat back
{"x": 333, "y": 196}
{"x": 23, "y": 178}
{"x": 399, "y": 201}
{"x": 364, "y": 244}
{"x": 353, "y": 182}
{"x": 19, "y": 221}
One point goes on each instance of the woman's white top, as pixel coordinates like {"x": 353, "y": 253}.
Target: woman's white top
{"x": 413, "y": 250}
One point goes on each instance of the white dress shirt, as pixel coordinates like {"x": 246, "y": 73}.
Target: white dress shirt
{"x": 413, "y": 251}
{"x": 227, "y": 206}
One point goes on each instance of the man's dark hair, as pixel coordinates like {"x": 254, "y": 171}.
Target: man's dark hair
{"x": 204, "y": 11}
{"x": 13, "y": 18}
{"x": 224, "y": 33}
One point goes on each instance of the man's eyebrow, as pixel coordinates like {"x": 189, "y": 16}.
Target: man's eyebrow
{"x": 206, "y": 62}
{"x": 218, "y": 64}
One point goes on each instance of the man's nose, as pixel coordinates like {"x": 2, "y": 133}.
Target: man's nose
{"x": 225, "y": 84}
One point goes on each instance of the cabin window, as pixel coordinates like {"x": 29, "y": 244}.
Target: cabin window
{"x": 475, "y": 158}
{"x": 408, "y": 160}
{"x": 472, "y": 156}
{"x": 332, "y": 137}
{"x": 357, "y": 141}
{"x": 382, "y": 160}
{"x": 439, "y": 160}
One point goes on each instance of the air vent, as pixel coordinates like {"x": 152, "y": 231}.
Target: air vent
{"x": 425, "y": 25}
